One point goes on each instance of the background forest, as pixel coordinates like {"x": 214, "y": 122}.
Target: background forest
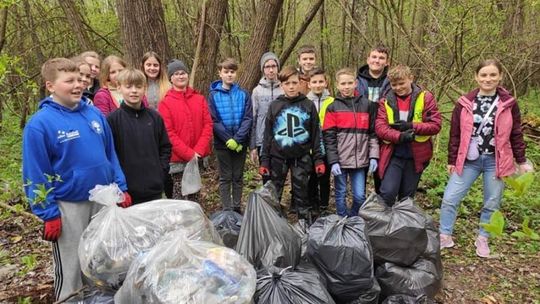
{"x": 441, "y": 40}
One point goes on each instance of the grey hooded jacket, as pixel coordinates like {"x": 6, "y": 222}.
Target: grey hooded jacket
{"x": 262, "y": 96}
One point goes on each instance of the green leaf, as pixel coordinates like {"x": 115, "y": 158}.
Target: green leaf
{"x": 496, "y": 224}
{"x": 519, "y": 234}
{"x": 520, "y": 184}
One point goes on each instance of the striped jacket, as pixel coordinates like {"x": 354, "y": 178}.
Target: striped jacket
{"x": 348, "y": 138}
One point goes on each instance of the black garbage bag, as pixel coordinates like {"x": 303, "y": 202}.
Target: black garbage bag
{"x": 266, "y": 239}
{"x": 405, "y": 299}
{"x": 227, "y": 224}
{"x": 339, "y": 248}
{"x": 93, "y": 295}
{"x": 369, "y": 296}
{"x": 398, "y": 234}
{"x": 301, "y": 229}
{"x": 292, "y": 286}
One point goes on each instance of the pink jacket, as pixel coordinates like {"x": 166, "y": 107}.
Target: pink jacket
{"x": 104, "y": 101}
{"x": 509, "y": 143}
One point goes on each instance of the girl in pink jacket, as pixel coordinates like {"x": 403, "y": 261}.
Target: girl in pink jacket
{"x": 485, "y": 138}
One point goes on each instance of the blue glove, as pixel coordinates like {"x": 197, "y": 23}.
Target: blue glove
{"x": 336, "y": 169}
{"x": 373, "y": 164}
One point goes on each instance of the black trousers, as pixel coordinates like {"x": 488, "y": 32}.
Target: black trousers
{"x": 319, "y": 188}
{"x": 376, "y": 181}
{"x": 400, "y": 180}
{"x": 300, "y": 168}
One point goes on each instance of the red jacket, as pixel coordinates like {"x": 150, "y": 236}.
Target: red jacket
{"x": 188, "y": 124}
{"x": 430, "y": 125}
{"x": 509, "y": 142}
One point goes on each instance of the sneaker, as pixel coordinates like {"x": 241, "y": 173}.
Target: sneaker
{"x": 446, "y": 241}
{"x": 482, "y": 247}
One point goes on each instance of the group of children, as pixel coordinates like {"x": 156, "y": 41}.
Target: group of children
{"x": 139, "y": 128}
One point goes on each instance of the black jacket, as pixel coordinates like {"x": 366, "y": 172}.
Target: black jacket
{"x": 143, "y": 149}
{"x": 292, "y": 130}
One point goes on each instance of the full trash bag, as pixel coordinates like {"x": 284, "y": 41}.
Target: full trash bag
{"x": 116, "y": 236}
{"x": 368, "y": 296}
{"x": 339, "y": 248}
{"x": 266, "y": 239}
{"x": 405, "y": 299}
{"x": 227, "y": 224}
{"x": 291, "y": 286}
{"x": 179, "y": 270}
{"x": 93, "y": 296}
{"x": 398, "y": 234}
{"x": 191, "y": 178}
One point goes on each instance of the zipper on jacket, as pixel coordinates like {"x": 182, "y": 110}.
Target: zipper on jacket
{"x": 355, "y": 137}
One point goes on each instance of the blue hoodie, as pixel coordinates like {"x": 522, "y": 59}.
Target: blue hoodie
{"x": 231, "y": 112}
{"x": 77, "y": 145}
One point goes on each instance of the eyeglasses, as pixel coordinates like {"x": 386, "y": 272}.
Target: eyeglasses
{"x": 270, "y": 66}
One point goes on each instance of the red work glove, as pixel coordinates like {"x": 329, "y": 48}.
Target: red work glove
{"x": 126, "y": 202}
{"x": 320, "y": 169}
{"x": 264, "y": 171}
{"x": 52, "y": 229}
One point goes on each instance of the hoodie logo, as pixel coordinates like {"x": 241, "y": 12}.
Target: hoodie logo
{"x": 64, "y": 136}
{"x": 96, "y": 127}
{"x": 289, "y": 127}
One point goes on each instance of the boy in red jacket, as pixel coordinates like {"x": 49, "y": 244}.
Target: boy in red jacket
{"x": 406, "y": 120}
{"x": 188, "y": 123}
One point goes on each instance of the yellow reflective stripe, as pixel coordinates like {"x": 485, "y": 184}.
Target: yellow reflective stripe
{"x": 417, "y": 115}
{"x": 389, "y": 112}
{"x": 322, "y": 111}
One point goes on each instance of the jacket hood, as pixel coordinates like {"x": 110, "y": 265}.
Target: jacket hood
{"x": 313, "y": 97}
{"x": 218, "y": 86}
{"x": 363, "y": 72}
{"x": 298, "y": 98}
{"x": 180, "y": 94}
{"x": 267, "y": 84}
{"x": 49, "y": 102}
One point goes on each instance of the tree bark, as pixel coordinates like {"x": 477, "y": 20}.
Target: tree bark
{"x": 259, "y": 42}
{"x": 309, "y": 17}
{"x": 204, "y": 64}
{"x": 75, "y": 21}
{"x": 142, "y": 24}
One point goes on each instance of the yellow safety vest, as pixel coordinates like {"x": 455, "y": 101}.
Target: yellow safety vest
{"x": 417, "y": 115}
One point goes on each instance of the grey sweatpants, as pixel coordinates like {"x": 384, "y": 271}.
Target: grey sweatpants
{"x": 68, "y": 277}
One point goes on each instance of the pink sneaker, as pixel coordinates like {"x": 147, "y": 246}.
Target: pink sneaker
{"x": 446, "y": 241}
{"x": 482, "y": 247}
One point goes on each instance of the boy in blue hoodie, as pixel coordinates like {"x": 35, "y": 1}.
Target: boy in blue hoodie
{"x": 232, "y": 114}
{"x": 67, "y": 150}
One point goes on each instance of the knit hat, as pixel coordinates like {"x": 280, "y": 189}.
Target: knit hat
{"x": 268, "y": 56}
{"x": 174, "y": 66}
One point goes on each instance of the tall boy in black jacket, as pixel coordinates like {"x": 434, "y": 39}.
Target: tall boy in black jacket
{"x": 140, "y": 140}
{"x": 291, "y": 131}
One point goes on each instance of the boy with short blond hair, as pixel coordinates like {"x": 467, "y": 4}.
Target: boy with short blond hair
{"x": 67, "y": 149}
{"x": 319, "y": 186}
{"x": 230, "y": 108}
{"x": 140, "y": 139}
{"x": 306, "y": 63}
{"x": 351, "y": 144}
{"x": 291, "y": 133}
{"x": 407, "y": 118}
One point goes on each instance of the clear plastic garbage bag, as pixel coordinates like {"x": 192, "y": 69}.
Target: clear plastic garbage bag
{"x": 178, "y": 270}
{"x": 191, "y": 178}
{"x": 116, "y": 236}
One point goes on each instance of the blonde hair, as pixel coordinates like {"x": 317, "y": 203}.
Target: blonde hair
{"x": 163, "y": 81}
{"x": 345, "y": 71}
{"x": 399, "y": 72}
{"x": 79, "y": 60}
{"x": 131, "y": 76}
{"x": 51, "y": 68}
{"x": 106, "y": 68}
{"x": 92, "y": 54}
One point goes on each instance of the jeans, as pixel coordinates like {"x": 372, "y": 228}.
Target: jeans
{"x": 358, "y": 184}
{"x": 459, "y": 185}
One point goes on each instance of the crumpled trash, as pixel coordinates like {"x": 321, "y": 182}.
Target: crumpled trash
{"x": 116, "y": 236}
{"x": 227, "y": 224}
{"x": 339, "y": 248}
{"x": 290, "y": 286}
{"x": 179, "y": 270}
{"x": 266, "y": 239}
{"x": 398, "y": 234}
{"x": 405, "y": 299}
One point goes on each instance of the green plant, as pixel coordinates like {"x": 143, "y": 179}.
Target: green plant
{"x": 29, "y": 263}
{"x": 25, "y": 300}
{"x": 495, "y": 227}
{"x": 526, "y": 232}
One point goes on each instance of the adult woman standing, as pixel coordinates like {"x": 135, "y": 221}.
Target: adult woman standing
{"x": 485, "y": 138}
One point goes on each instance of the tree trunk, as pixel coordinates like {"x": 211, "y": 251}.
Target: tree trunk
{"x": 309, "y": 17}
{"x": 75, "y": 21}
{"x": 259, "y": 42}
{"x": 204, "y": 66}
{"x": 142, "y": 24}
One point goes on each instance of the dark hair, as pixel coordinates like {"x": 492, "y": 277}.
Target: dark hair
{"x": 381, "y": 48}
{"x": 287, "y": 72}
{"x": 488, "y": 62}
{"x": 229, "y": 64}
{"x": 317, "y": 71}
{"x": 306, "y": 48}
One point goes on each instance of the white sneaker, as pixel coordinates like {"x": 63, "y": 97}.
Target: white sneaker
{"x": 446, "y": 241}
